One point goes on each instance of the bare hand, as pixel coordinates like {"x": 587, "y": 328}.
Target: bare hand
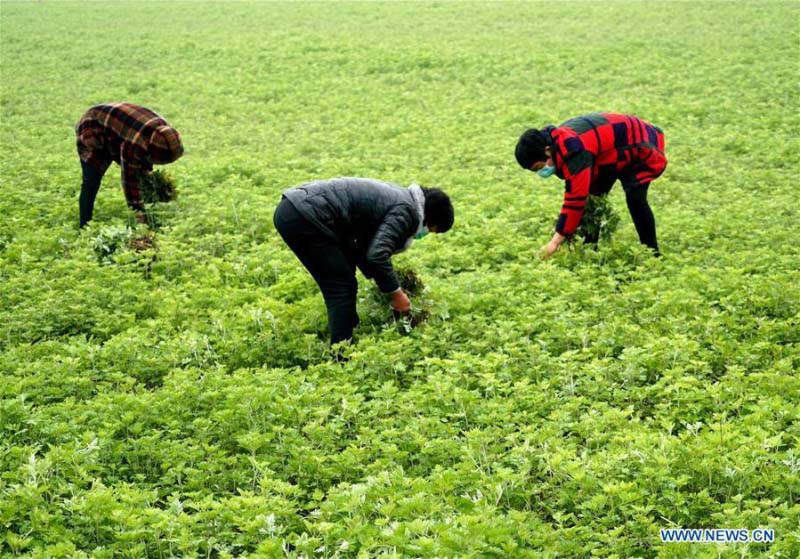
{"x": 400, "y": 301}
{"x": 547, "y": 250}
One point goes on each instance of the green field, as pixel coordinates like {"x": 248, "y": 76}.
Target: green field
{"x": 179, "y": 401}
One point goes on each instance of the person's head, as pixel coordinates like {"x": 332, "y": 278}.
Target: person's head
{"x": 533, "y": 150}
{"x": 439, "y": 214}
{"x": 165, "y": 145}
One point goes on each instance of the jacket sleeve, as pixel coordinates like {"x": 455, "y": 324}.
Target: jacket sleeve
{"x": 133, "y": 162}
{"x": 90, "y": 145}
{"x": 391, "y": 235}
{"x": 577, "y": 177}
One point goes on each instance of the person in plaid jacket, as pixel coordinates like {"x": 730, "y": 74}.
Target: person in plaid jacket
{"x": 134, "y": 137}
{"x": 590, "y": 153}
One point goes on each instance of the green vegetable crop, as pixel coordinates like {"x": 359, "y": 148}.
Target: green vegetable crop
{"x": 173, "y": 395}
{"x": 158, "y": 186}
{"x": 599, "y": 221}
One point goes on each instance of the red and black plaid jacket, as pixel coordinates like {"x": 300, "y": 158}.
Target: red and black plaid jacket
{"x": 602, "y": 145}
{"x": 133, "y": 136}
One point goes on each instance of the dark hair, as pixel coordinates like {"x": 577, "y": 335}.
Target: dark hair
{"x": 530, "y": 148}
{"x": 438, "y": 210}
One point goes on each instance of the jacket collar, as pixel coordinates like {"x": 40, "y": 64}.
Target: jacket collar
{"x": 418, "y": 197}
{"x": 419, "y": 202}
{"x": 558, "y": 157}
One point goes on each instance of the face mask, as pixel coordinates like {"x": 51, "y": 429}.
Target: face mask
{"x": 546, "y": 171}
{"x": 422, "y": 233}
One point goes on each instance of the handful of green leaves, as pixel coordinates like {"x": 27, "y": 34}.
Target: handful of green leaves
{"x": 108, "y": 241}
{"x": 414, "y": 288}
{"x": 111, "y": 241}
{"x": 600, "y": 220}
{"x": 158, "y": 186}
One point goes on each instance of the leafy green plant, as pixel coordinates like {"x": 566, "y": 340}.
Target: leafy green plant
{"x": 600, "y": 220}
{"x": 158, "y": 190}
{"x": 415, "y": 289}
{"x": 374, "y": 308}
{"x": 158, "y": 186}
{"x": 179, "y": 401}
{"x": 109, "y": 240}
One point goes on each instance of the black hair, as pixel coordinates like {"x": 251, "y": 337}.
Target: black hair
{"x": 530, "y": 148}
{"x": 438, "y": 210}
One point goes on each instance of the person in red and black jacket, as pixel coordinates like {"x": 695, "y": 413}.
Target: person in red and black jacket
{"x": 134, "y": 137}
{"x": 590, "y": 153}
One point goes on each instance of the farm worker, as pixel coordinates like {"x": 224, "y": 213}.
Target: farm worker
{"x": 334, "y": 225}
{"x": 134, "y": 137}
{"x": 590, "y": 153}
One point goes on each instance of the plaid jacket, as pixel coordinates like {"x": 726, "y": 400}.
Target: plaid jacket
{"x": 133, "y": 136}
{"x": 602, "y": 145}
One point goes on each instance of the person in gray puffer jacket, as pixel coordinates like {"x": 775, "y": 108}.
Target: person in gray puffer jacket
{"x": 334, "y": 225}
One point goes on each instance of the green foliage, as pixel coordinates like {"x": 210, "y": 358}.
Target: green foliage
{"x": 177, "y": 399}
{"x": 374, "y": 308}
{"x": 600, "y": 220}
{"x": 158, "y": 186}
{"x": 109, "y": 240}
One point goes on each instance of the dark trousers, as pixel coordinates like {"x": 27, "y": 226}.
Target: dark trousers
{"x": 329, "y": 265}
{"x": 636, "y": 198}
{"x": 642, "y": 216}
{"x": 89, "y": 188}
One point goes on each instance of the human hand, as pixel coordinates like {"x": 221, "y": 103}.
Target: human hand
{"x": 400, "y": 301}
{"x": 547, "y": 250}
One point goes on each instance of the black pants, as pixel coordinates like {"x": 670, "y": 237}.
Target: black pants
{"x": 329, "y": 264}
{"x": 636, "y": 198}
{"x": 89, "y": 188}
{"x": 642, "y": 216}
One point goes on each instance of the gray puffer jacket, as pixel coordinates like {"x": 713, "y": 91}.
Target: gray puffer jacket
{"x": 371, "y": 219}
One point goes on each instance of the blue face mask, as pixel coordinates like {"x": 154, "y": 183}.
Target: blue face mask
{"x": 546, "y": 171}
{"x": 422, "y": 233}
